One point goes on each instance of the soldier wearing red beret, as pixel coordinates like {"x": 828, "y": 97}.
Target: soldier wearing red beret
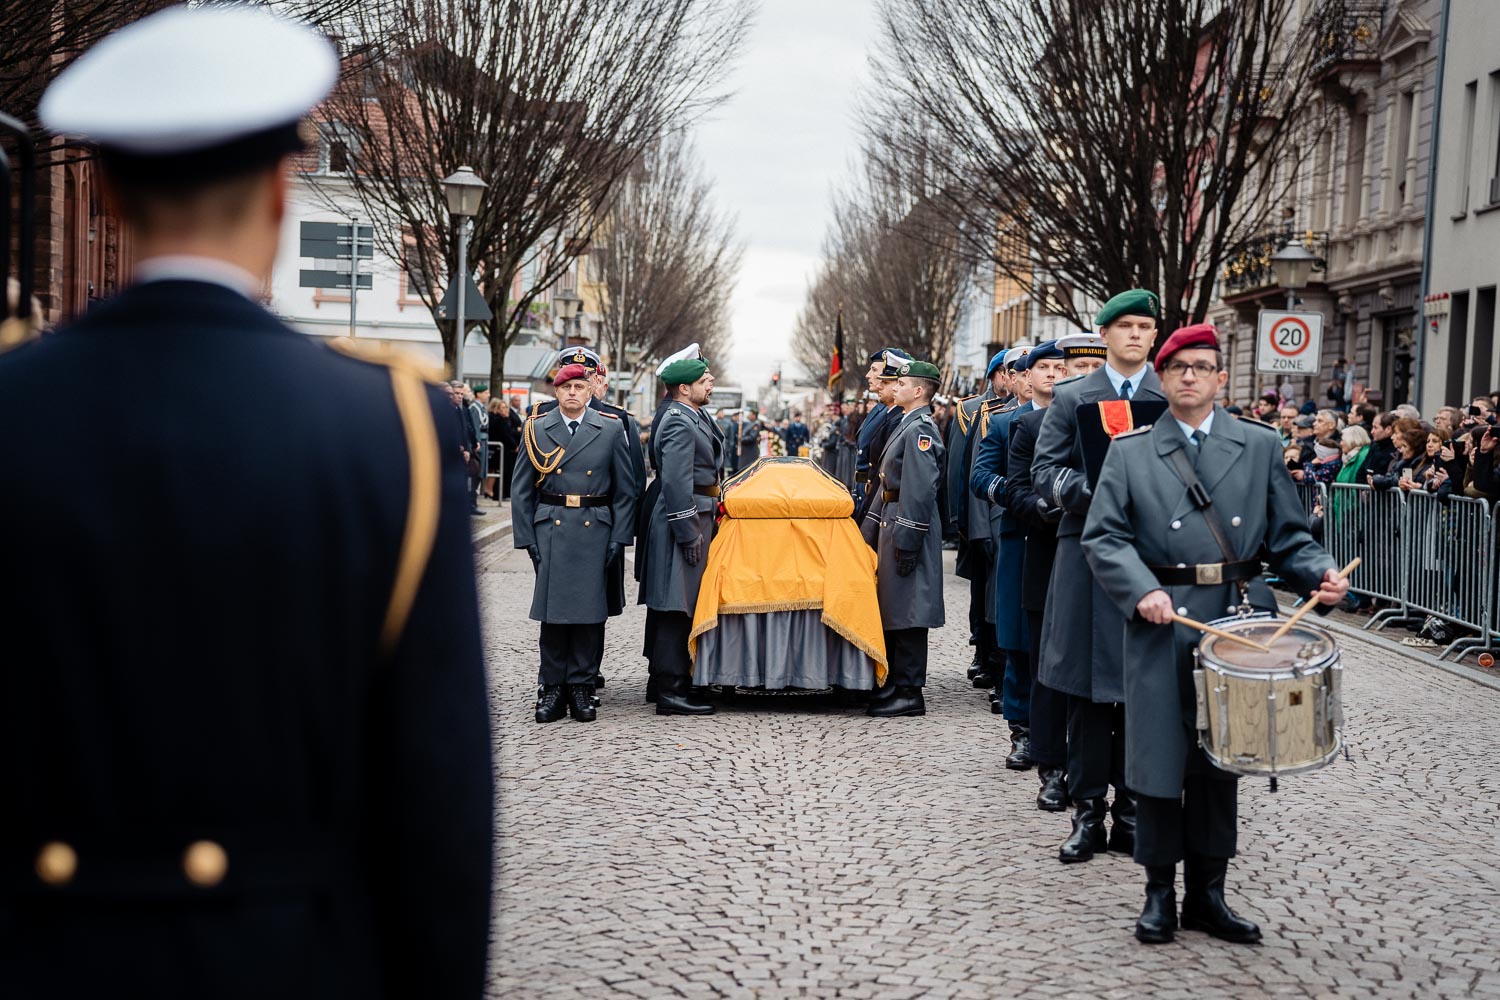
{"x": 1148, "y": 543}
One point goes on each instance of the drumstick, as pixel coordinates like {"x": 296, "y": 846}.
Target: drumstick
{"x": 1210, "y": 630}
{"x": 1286, "y": 626}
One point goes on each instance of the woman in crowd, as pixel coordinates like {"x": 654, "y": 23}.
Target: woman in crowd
{"x": 1411, "y": 451}
{"x": 1327, "y": 461}
{"x": 505, "y": 429}
{"x": 1354, "y": 443}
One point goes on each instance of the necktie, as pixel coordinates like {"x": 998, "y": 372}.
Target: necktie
{"x": 1198, "y": 438}
{"x": 572, "y": 426}
{"x": 1125, "y": 392}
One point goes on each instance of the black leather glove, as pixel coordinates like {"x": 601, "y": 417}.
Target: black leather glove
{"x": 906, "y": 562}
{"x": 613, "y": 552}
{"x": 536, "y": 556}
{"x": 1047, "y": 512}
{"x": 692, "y": 551}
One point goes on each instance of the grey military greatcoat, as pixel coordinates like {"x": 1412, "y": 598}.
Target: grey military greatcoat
{"x": 1080, "y": 648}
{"x": 910, "y": 468}
{"x": 688, "y": 452}
{"x": 1141, "y": 517}
{"x": 571, "y": 582}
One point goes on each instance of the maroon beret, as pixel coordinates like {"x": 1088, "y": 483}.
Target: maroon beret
{"x": 568, "y": 373}
{"x": 1197, "y": 335}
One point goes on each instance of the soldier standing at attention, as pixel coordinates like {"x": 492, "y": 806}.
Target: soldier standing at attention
{"x": 574, "y": 513}
{"x": 974, "y": 561}
{"x": 890, "y": 418}
{"x": 1146, "y": 539}
{"x": 247, "y": 754}
{"x": 864, "y": 460}
{"x": 1081, "y": 627}
{"x": 906, "y": 533}
{"x": 1047, "y": 734}
{"x": 688, "y": 454}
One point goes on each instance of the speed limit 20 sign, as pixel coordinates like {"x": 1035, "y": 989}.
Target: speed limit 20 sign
{"x": 1290, "y": 343}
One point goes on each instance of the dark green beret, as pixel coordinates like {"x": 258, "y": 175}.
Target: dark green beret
{"x": 922, "y": 369}
{"x": 1136, "y": 302}
{"x": 684, "y": 372}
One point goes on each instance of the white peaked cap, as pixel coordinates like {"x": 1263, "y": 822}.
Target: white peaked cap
{"x": 688, "y": 353}
{"x": 1079, "y": 340}
{"x": 187, "y": 79}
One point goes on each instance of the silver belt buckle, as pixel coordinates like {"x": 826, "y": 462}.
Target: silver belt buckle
{"x": 574, "y": 500}
{"x": 1209, "y": 574}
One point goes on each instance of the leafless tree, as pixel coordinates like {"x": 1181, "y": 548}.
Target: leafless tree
{"x": 668, "y": 259}
{"x": 39, "y": 38}
{"x": 550, "y": 101}
{"x": 893, "y": 261}
{"x": 1137, "y": 141}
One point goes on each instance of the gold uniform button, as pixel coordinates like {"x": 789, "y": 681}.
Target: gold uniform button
{"x": 56, "y": 863}
{"x": 205, "y": 863}
{"x": 590, "y": 472}
{"x": 557, "y": 522}
{"x": 585, "y": 524}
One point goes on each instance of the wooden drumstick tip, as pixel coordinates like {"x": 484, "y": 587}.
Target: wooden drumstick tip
{"x": 1312, "y": 602}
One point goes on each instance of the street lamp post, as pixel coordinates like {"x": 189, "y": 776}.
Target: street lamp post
{"x": 1292, "y": 265}
{"x": 567, "y": 303}
{"x": 463, "y": 189}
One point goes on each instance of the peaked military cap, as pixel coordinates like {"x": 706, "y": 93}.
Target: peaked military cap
{"x": 894, "y": 358}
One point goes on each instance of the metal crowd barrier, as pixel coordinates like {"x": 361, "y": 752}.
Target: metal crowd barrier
{"x": 494, "y": 460}
{"x": 1422, "y": 554}
{"x": 1310, "y": 494}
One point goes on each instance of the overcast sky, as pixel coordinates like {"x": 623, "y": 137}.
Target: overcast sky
{"x": 774, "y": 153}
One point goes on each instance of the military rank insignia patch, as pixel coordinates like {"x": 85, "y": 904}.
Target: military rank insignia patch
{"x": 923, "y": 442}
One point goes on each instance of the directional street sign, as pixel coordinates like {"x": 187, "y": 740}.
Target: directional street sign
{"x": 334, "y": 242}
{"x": 317, "y": 278}
{"x": 1289, "y": 343}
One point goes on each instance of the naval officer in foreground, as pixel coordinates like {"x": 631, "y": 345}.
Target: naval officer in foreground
{"x": 246, "y": 742}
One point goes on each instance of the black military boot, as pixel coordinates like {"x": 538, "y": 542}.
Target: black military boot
{"x": 1088, "y": 837}
{"x": 1122, "y": 830}
{"x": 1052, "y": 797}
{"x": 552, "y": 703}
{"x": 1019, "y": 758}
{"x": 988, "y": 676}
{"x": 1158, "y": 920}
{"x": 674, "y": 698}
{"x": 1203, "y": 905}
{"x": 598, "y": 682}
{"x": 975, "y": 667}
{"x": 581, "y": 702}
{"x": 997, "y": 700}
{"x": 881, "y": 695}
{"x": 906, "y": 701}
{"x": 651, "y": 689}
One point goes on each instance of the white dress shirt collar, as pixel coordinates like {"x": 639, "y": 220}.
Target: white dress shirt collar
{"x": 1187, "y": 428}
{"x": 1116, "y": 379}
{"x": 187, "y": 267}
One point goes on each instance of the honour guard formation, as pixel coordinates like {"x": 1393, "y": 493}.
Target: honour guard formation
{"x": 251, "y": 751}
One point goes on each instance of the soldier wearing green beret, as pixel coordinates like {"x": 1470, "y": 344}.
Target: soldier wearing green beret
{"x": 687, "y": 451}
{"x": 904, "y": 528}
{"x": 1081, "y": 627}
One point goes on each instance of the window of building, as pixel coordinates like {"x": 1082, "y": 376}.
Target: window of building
{"x": 1466, "y": 161}
{"x": 1493, "y": 174}
{"x": 416, "y": 271}
{"x": 1354, "y": 171}
{"x": 1397, "y": 194}
{"x": 337, "y": 147}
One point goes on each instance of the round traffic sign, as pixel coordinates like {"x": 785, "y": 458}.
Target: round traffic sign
{"x": 1290, "y": 337}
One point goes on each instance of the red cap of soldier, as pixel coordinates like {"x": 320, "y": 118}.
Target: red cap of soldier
{"x": 568, "y": 373}
{"x": 1197, "y": 335}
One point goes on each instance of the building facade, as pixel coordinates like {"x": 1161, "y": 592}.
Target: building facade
{"x": 1357, "y": 200}
{"x": 1458, "y": 358}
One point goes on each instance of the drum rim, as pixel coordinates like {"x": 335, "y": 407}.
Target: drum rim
{"x": 1274, "y": 771}
{"x": 1207, "y": 660}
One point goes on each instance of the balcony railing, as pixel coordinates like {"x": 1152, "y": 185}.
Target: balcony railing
{"x": 1248, "y": 268}
{"x": 1347, "y": 34}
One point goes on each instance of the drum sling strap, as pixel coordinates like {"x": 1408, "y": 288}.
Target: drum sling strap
{"x": 1199, "y": 495}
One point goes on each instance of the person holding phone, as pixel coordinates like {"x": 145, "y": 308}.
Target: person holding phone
{"x": 1411, "y": 444}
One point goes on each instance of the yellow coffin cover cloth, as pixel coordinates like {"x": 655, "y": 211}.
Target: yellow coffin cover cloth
{"x": 787, "y": 543}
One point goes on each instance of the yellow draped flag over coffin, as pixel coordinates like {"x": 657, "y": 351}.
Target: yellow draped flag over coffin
{"x": 787, "y": 543}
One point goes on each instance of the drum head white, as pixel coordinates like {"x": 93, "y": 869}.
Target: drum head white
{"x": 1302, "y": 644}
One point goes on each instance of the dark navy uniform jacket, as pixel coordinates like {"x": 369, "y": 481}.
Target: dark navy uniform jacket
{"x": 191, "y": 609}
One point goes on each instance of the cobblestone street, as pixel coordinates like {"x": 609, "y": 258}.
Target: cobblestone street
{"x": 784, "y": 849}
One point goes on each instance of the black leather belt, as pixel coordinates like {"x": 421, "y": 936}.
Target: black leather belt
{"x": 575, "y": 499}
{"x": 706, "y": 491}
{"x": 1207, "y": 574}
{"x": 890, "y": 496}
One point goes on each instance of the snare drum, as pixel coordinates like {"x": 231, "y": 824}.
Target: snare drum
{"x": 1269, "y": 713}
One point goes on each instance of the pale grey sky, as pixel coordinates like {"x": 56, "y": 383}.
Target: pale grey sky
{"x": 774, "y": 152}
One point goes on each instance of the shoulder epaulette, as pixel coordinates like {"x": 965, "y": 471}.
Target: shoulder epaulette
{"x": 606, "y": 413}
{"x": 1252, "y": 422}
{"x": 1134, "y": 431}
{"x": 377, "y": 353}
{"x": 1070, "y": 378}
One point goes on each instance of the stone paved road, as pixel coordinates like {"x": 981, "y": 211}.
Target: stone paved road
{"x": 786, "y": 850}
